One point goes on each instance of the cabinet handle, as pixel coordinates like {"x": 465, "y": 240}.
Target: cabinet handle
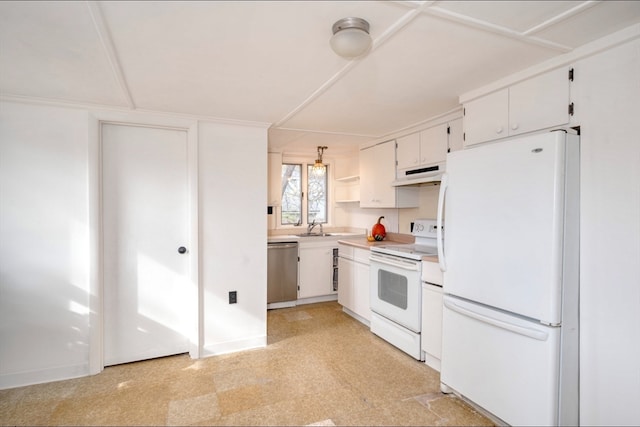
{"x": 515, "y": 126}
{"x": 499, "y": 130}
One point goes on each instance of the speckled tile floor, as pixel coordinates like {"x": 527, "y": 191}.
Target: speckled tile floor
{"x": 321, "y": 367}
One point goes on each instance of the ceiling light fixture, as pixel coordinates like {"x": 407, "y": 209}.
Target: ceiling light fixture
{"x": 318, "y": 167}
{"x": 350, "y": 37}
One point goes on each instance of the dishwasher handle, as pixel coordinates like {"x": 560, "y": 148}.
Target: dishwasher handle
{"x": 282, "y": 245}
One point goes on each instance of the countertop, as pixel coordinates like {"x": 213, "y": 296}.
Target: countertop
{"x": 277, "y": 238}
{"x": 390, "y": 239}
{"x": 357, "y": 240}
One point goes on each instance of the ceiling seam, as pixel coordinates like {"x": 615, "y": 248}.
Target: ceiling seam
{"x": 326, "y": 132}
{"x": 83, "y": 105}
{"x": 561, "y": 17}
{"x": 393, "y": 29}
{"x": 493, "y": 28}
{"x": 109, "y": 49}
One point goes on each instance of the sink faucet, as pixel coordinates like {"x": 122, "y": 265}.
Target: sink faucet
{"x": 311, "y": 226}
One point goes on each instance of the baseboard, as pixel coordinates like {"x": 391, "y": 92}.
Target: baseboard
{"x": 313, "y": 300}
{"x": 234, "y": 346}
{"x": 21, "y": 379}
{"x": 356, "y": 316}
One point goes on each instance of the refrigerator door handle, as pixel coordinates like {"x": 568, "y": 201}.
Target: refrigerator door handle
{"x": 527, "y": 332}
{"x": 444, "y": 184}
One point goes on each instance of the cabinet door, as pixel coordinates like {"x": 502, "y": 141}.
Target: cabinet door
{"x": 408, "y": 151}
{"x": 540, "y": 102}
{"x": 486, "y": 118}
{"x": 432, "y": 320}
{"x": 455, "y": 141}
{"x": 433, "y": 145}
{"x": 316, "y": 271}
{"x": 377, "y": 171}
{"x": 345, "y": 283}
{"x": 367, "y": 177}
{"x": 361, "y": 291}
{"x": 275, "y": 178}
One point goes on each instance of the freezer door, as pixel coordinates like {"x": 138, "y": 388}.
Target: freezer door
{"x": 507, "y": 365}
{"x": 504, "y": 216}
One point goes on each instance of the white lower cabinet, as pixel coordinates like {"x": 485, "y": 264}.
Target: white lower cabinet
{"x": 432, "y": 313}
{"x": 353, "y": 281}
{"x": 432, "y": 325}
{"x": 316, "y": 269}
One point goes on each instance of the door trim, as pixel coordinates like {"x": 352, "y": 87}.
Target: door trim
{"x": 96, "y": 283}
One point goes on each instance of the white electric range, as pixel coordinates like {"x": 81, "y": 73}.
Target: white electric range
{"x": 396, "y": 288}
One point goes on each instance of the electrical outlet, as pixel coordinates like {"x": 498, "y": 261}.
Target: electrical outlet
{"x": 233, "y": 297}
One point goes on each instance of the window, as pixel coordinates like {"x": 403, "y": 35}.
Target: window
{"x": 294, "y": 179}
{"x": 291, "y": 194}
{"x": 316, "y": 196}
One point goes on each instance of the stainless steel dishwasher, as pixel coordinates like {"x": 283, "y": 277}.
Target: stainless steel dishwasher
{"x": 282, "y": 272}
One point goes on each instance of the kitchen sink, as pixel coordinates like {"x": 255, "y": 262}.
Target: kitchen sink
{"x": 316, "y": 234}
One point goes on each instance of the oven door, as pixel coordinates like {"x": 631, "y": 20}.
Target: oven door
{"x": 396, "y": 289}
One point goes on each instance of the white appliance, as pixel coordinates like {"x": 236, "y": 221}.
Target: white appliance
{"x": 510, "y": 263}
{"x": 396, "y": 288}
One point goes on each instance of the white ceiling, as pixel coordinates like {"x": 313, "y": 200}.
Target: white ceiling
{"x": 270, "y": 61}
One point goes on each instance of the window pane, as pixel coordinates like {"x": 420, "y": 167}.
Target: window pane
{"x": 291, "y": 194}
{"x": 317, "y": 196}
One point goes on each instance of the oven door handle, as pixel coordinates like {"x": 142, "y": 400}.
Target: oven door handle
{"x": 410, "y": 266}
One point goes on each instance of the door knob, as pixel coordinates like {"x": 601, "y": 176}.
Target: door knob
{"x": 182, "y": 250}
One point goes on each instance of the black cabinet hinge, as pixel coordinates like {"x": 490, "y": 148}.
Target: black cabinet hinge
{"x": 448, "y": 150}
{"x": 464, "y": 136}
{"x": 571, "y": 109}
{"x": 570, "y": 74}
{"x": 448, "y": 130}
{"x": 464, "y": 111}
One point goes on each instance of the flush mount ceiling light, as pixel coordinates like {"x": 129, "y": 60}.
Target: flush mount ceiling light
{"x": 350, "y": 37}
{"x": 318, "y": 167}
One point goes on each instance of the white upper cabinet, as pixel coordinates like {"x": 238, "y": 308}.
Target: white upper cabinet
{"x": 408, "y": 151}
{"x": 274, "y": 173}
{"x": 540, "y": 102}
{"x": 377, "y": 172}
{"x": 486, "y": 118}
{"x": 433, "y": 145}
{"x": 537, "y": 103}
{"x": 424, "y": 148}
{"x": 456, "y": 141}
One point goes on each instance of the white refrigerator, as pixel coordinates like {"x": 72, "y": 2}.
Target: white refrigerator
{"x": 510, "y": 263}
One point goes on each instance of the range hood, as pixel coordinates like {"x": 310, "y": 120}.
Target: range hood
{"x": 417, "y": 180}
{"x": 419, "y": 176}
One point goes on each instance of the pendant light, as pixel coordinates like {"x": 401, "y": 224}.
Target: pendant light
{"x": 318, "y": 168}
{"x": 350, "y": 37}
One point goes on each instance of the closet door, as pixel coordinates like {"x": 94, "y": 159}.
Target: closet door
{"x": 145, "y": 235}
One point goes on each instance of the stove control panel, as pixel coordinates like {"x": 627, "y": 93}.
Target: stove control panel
{"x": 424, "y": 228}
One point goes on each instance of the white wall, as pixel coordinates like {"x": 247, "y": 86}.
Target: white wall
{"x": 44, "y": 244}
{"x": 233, "y": 203}
{"x": 608, "y": 104}
{"x": 395, "y": 220}
{"x": 48, "y": 239}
